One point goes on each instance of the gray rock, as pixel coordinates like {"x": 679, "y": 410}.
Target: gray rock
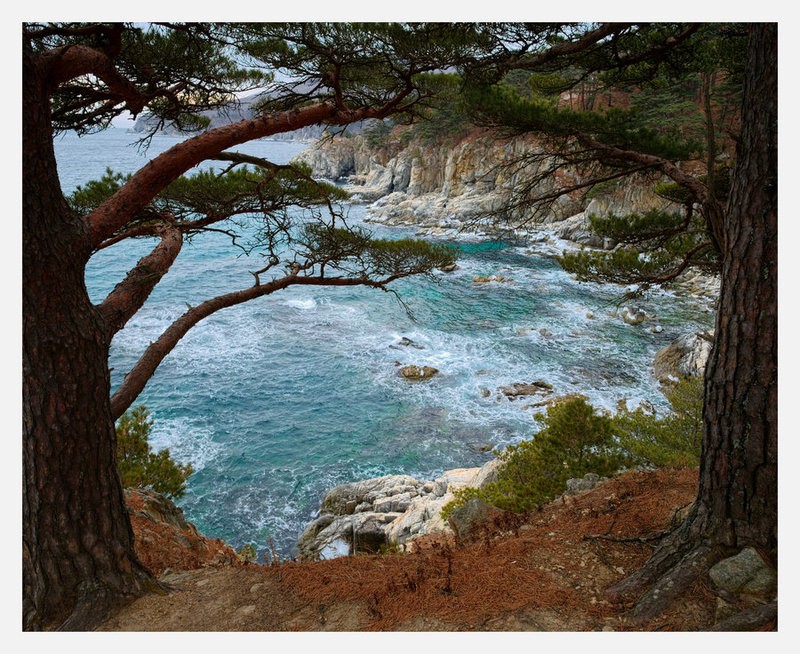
{"x": 684, "y": 357}
{"x": 361, "y": 532}
{"x": 344, "y": 499}
{"x": 159, "y": 508}
{"x": 465, "y": 519}
{"x": 581, "y": 485}
{"x": 520, "y": 390}
{"x": 745, "y": 573}
{"x": 364, "y": 515}
{"x": 487, "y": 473}
{"x": 393, "y": 504}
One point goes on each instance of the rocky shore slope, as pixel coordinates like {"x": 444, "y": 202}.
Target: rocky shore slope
{"x": 444, "y": 189}
{"x": 546, "y": 571}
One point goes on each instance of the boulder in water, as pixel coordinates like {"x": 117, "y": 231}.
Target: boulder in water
{"x": 407, "y": 342}
{"x": 418, "y": 373}
{"x": 519, "y": 390}
{"x": 482, "y": 279}
{"x": 633, "y": 315}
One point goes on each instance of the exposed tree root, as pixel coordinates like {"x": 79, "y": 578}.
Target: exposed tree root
{"x": 670, "y": 586}
{"x": 668, "y": 554}
{"x": 674, "y": 566}
{"x": 97, "y": 602}
{"x": 757, "y": 618}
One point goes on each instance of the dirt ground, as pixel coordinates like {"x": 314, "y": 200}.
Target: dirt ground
{"x": 545, "y": 571}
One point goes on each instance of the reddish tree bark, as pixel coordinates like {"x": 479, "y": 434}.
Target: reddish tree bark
{"x": 737, "y": 503}
{"x": 78, "y": 557}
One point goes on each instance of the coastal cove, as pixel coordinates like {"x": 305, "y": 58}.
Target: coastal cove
{"x": 276, "y": 401}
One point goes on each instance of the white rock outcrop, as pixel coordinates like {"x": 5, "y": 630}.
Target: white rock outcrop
{"x": 392, "y": 510}
{"x": 686, "y": 356}
{"x": 431, "y": 185}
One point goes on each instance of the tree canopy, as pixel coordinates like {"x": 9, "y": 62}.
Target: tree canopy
{"x": 79, "y": 77}
{"x": 692, "y": 108}
{"x": 659, "y": 102}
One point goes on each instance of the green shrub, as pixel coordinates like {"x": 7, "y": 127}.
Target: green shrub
{"x": 377, "y": 134}
{"x": 575, "y": 440}
{"x": 139, "y": 466}
{"x": 671, "y": 441}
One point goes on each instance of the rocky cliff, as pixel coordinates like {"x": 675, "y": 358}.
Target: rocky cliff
{"x": 417, "y": 183}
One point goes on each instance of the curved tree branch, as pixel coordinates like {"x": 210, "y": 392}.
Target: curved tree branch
{"x": 73, "y": 61}
{"x": 142, "y": 187}
{"x": 156, "y": 352}
{"x": 702, "y": 193}
{"x": 688, "y": 260}
{"x": 131, "y": 293}
{"x": 565, "y": 48}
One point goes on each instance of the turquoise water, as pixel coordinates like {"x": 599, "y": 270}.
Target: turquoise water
{"x": 275, "y": 401}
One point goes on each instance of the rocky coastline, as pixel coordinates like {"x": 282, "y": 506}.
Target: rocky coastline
{"x": 391, "y": 513}
{"x": 445, "y": 191}
{"x": 438, "y": 188}
{"x": 465, "y": 187}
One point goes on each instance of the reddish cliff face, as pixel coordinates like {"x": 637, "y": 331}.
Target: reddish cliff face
{"x": 164, "y": 539}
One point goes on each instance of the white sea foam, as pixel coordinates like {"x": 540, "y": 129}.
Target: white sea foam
{"x": 187, "y": 441}
{"x": 277, "y": 400}
{"x": 301, "y": 303}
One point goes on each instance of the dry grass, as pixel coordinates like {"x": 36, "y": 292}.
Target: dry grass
{"x": 545, "y": 571}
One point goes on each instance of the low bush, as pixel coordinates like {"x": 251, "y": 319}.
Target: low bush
{"x": 669, "y": 441}
{"x": 577, "y": 439}
{"x": 139, "y": 466}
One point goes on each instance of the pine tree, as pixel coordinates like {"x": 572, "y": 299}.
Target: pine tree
{"x": 716, "y": 158}
{"x": 78, "y": 557}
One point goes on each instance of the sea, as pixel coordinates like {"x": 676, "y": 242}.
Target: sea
{"x": 275, "y": 401}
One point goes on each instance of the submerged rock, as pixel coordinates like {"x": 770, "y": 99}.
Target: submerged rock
{"x": 633, "y": 315}
{"x": 482, "y": 279}
{"x": 407, "y": 342}
{"x": 521, "y": 390}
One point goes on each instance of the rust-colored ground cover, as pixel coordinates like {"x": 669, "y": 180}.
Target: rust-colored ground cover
{"x": 542, "y": 572}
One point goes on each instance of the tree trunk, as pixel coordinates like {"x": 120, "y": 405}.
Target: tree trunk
{"x": 737, "y": 502}
{"x": 738, "y": 496}
{"x": 78, "y": 557}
